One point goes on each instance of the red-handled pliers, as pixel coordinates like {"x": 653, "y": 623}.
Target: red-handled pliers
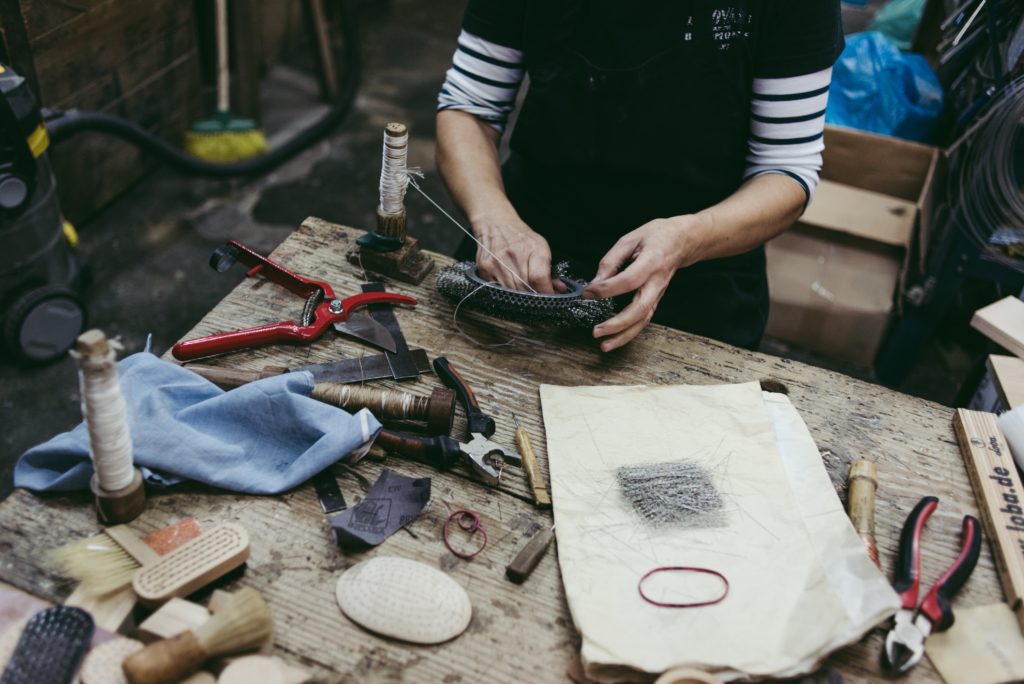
{"x": 322, "y": 309}
{"x": 904, "y": 644}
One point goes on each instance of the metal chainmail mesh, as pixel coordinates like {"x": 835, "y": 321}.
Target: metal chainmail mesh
{"x": 680, "y": 493}
{"x": 460, "y": 283}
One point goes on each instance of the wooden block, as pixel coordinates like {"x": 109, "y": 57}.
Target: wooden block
{"x": 1003, "y": 323}
{"x": 1000, "y": 498}
{"x": 1008, "y": 374}
{"x": 173, "y": 618}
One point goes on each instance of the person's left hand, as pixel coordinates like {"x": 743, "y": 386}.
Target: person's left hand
{"x": 657, "y": 249}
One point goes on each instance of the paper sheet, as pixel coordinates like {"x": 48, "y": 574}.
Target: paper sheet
{"x": 984, "y": 646}
{"x": 793, "y": 598}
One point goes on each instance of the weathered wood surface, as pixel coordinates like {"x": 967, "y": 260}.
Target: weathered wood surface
{"x": 518, "y": 633}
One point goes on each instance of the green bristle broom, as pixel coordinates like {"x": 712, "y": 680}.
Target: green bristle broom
{"x": 224, "y": 138}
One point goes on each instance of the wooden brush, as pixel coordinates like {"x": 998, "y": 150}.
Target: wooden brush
{"x": 241, "y": 623}
{"x": 105, "y": 562}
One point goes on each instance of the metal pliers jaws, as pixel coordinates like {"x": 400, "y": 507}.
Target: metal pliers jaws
{"x": 904, "y": 644}
{"x": 483, "y": 454}
{"x": 322, "y": 310}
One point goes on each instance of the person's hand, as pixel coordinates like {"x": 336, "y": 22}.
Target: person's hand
{"x": 522, "y": 250}
{"x": 656, "y": 250}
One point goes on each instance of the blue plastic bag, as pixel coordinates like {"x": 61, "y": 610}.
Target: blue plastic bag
{"x": 877, "y": 88}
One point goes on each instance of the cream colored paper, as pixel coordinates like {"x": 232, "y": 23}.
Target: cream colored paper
{"x": 984, "y": 646}
{"x": 785, "y": 610}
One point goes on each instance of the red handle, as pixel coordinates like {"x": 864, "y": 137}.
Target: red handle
{"x": 259, "y": 336}
{"x": 908, "y": 558}
{"x": 936, "y": 605}
{"x": 362, "y": 299}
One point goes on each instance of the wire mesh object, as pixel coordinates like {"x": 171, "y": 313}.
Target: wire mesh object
{"x": 461, "y": 285}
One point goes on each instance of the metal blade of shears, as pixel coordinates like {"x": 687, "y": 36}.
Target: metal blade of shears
{"x": 364, "y": 328}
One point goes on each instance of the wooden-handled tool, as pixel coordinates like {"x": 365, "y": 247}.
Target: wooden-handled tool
{"x": 529, "y": 556}
{"x": 437, "y": 410}
{"x": 1000, "y": 495}
{"x": 860, "y": 503}
{"x": 530, "y": 465}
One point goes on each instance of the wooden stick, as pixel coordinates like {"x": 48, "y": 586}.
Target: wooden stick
{"x": 1000, "y": 494}
{"x": 860, "y": 501}
{"x": 541, "y": 499}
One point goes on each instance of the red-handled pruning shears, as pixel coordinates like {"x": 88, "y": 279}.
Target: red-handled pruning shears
{"x": 322, "y": 309}
{"x": 904, "y": 644}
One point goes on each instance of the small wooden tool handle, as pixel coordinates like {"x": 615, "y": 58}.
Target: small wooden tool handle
{"x": 861, "y": 503}
{"x": 230, "y": 378}
{"x": 532, "y": 468}
{"x": 529, "y": 556}
{"x": 166, "y": 661}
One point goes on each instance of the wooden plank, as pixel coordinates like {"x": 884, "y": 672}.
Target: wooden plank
{"x": 296, "y": 566}
{"x": 1003, "y": 323}
{"x": 862, "y": 213}
{"x": 1008, "y": 376}
{"x": 999, "y": 491}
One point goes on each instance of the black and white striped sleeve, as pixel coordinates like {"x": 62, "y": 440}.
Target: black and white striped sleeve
{"x": 483, "y": 80}
{"x": 787, "y": 127}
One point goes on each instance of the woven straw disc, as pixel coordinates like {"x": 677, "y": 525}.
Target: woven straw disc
{"x": 404, "y": 599}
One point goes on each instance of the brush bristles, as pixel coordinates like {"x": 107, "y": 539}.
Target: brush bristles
{"x": 99, "y": 563}
{"x": 242, "y": 623}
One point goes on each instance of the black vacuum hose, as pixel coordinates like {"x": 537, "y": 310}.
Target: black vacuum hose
{"x": 62, "y": 125}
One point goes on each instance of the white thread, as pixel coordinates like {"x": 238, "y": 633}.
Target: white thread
{"x": 103, "y": 410}
{"x": 451, "y": 218}
{"x": 393, "y": 173}
{"x": 455, "y": 322}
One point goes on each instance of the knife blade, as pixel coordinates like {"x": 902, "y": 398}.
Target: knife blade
{"x": 362, "y": 369}
{"x": 362, "y": 327}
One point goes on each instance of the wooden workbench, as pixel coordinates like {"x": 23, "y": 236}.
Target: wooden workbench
{"x": 517, "y": 633}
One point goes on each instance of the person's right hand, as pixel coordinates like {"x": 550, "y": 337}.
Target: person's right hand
{"x": 521, "y": 249}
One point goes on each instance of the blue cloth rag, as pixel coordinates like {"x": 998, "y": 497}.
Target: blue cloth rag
{"x": 265, "y": 437}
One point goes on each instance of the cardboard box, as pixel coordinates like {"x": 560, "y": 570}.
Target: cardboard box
{"x": 834, "y": 276}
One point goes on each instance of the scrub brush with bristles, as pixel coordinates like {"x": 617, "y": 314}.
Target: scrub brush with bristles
{"x": 105, "y": 562}
{"x": 224, "y": 138}
{"x": 242, "y": 623}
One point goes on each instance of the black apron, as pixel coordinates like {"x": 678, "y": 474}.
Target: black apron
{"x": 601, "y": 148}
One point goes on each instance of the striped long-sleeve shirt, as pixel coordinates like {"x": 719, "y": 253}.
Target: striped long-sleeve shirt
{"x": 787, "y": 117}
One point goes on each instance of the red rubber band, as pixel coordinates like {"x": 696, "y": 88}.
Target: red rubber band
{"x": 706, "y": 571}
{"x": 469, "y": 522}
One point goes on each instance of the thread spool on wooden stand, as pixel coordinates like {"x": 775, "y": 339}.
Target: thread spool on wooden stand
{"x": 389, "y": 250}
{"x": 116, "y": 484}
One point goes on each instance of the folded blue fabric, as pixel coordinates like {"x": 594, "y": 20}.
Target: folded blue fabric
{"x": 262, "y": 438}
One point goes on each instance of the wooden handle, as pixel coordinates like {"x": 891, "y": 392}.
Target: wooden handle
{"x": 861, "y": 503}
{"x": 528, "y": 557}
{"x": 223, "y": 78}
{"x": 166, "y": 661}
{"x": 532, "y": 468}
{"x": 230, "y": 378}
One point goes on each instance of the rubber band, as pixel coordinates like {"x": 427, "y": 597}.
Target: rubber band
{"x": 470, "y": 522}
{"x": 697, "y": 604}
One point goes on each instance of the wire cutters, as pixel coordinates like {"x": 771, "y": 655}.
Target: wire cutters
{"x": 322, "y": 309}
{"x": 904, "y": 644}
{"x": 482, "y": 453}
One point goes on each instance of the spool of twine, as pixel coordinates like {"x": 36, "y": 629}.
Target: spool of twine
{"x": 103, "y": 410}
{"x": 394, "y": 175}
{"x": 382, "y": 403}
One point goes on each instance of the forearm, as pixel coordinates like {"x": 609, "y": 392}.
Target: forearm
{"x": 762, "y": 208}
{"x": 467, "y": 157}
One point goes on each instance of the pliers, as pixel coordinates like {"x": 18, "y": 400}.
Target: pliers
{"x": 322, "y": 309}
{"x": 904, "y": 644}
{"x": 483, "y": 454}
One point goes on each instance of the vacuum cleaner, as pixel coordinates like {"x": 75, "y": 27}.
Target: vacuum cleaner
{"x": 41, "y": 312}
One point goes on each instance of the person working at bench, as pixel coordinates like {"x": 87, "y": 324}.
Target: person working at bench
{"x": 661, "y": 142}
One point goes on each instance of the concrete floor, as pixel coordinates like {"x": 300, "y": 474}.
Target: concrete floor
{"x": 148, "y": 250}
